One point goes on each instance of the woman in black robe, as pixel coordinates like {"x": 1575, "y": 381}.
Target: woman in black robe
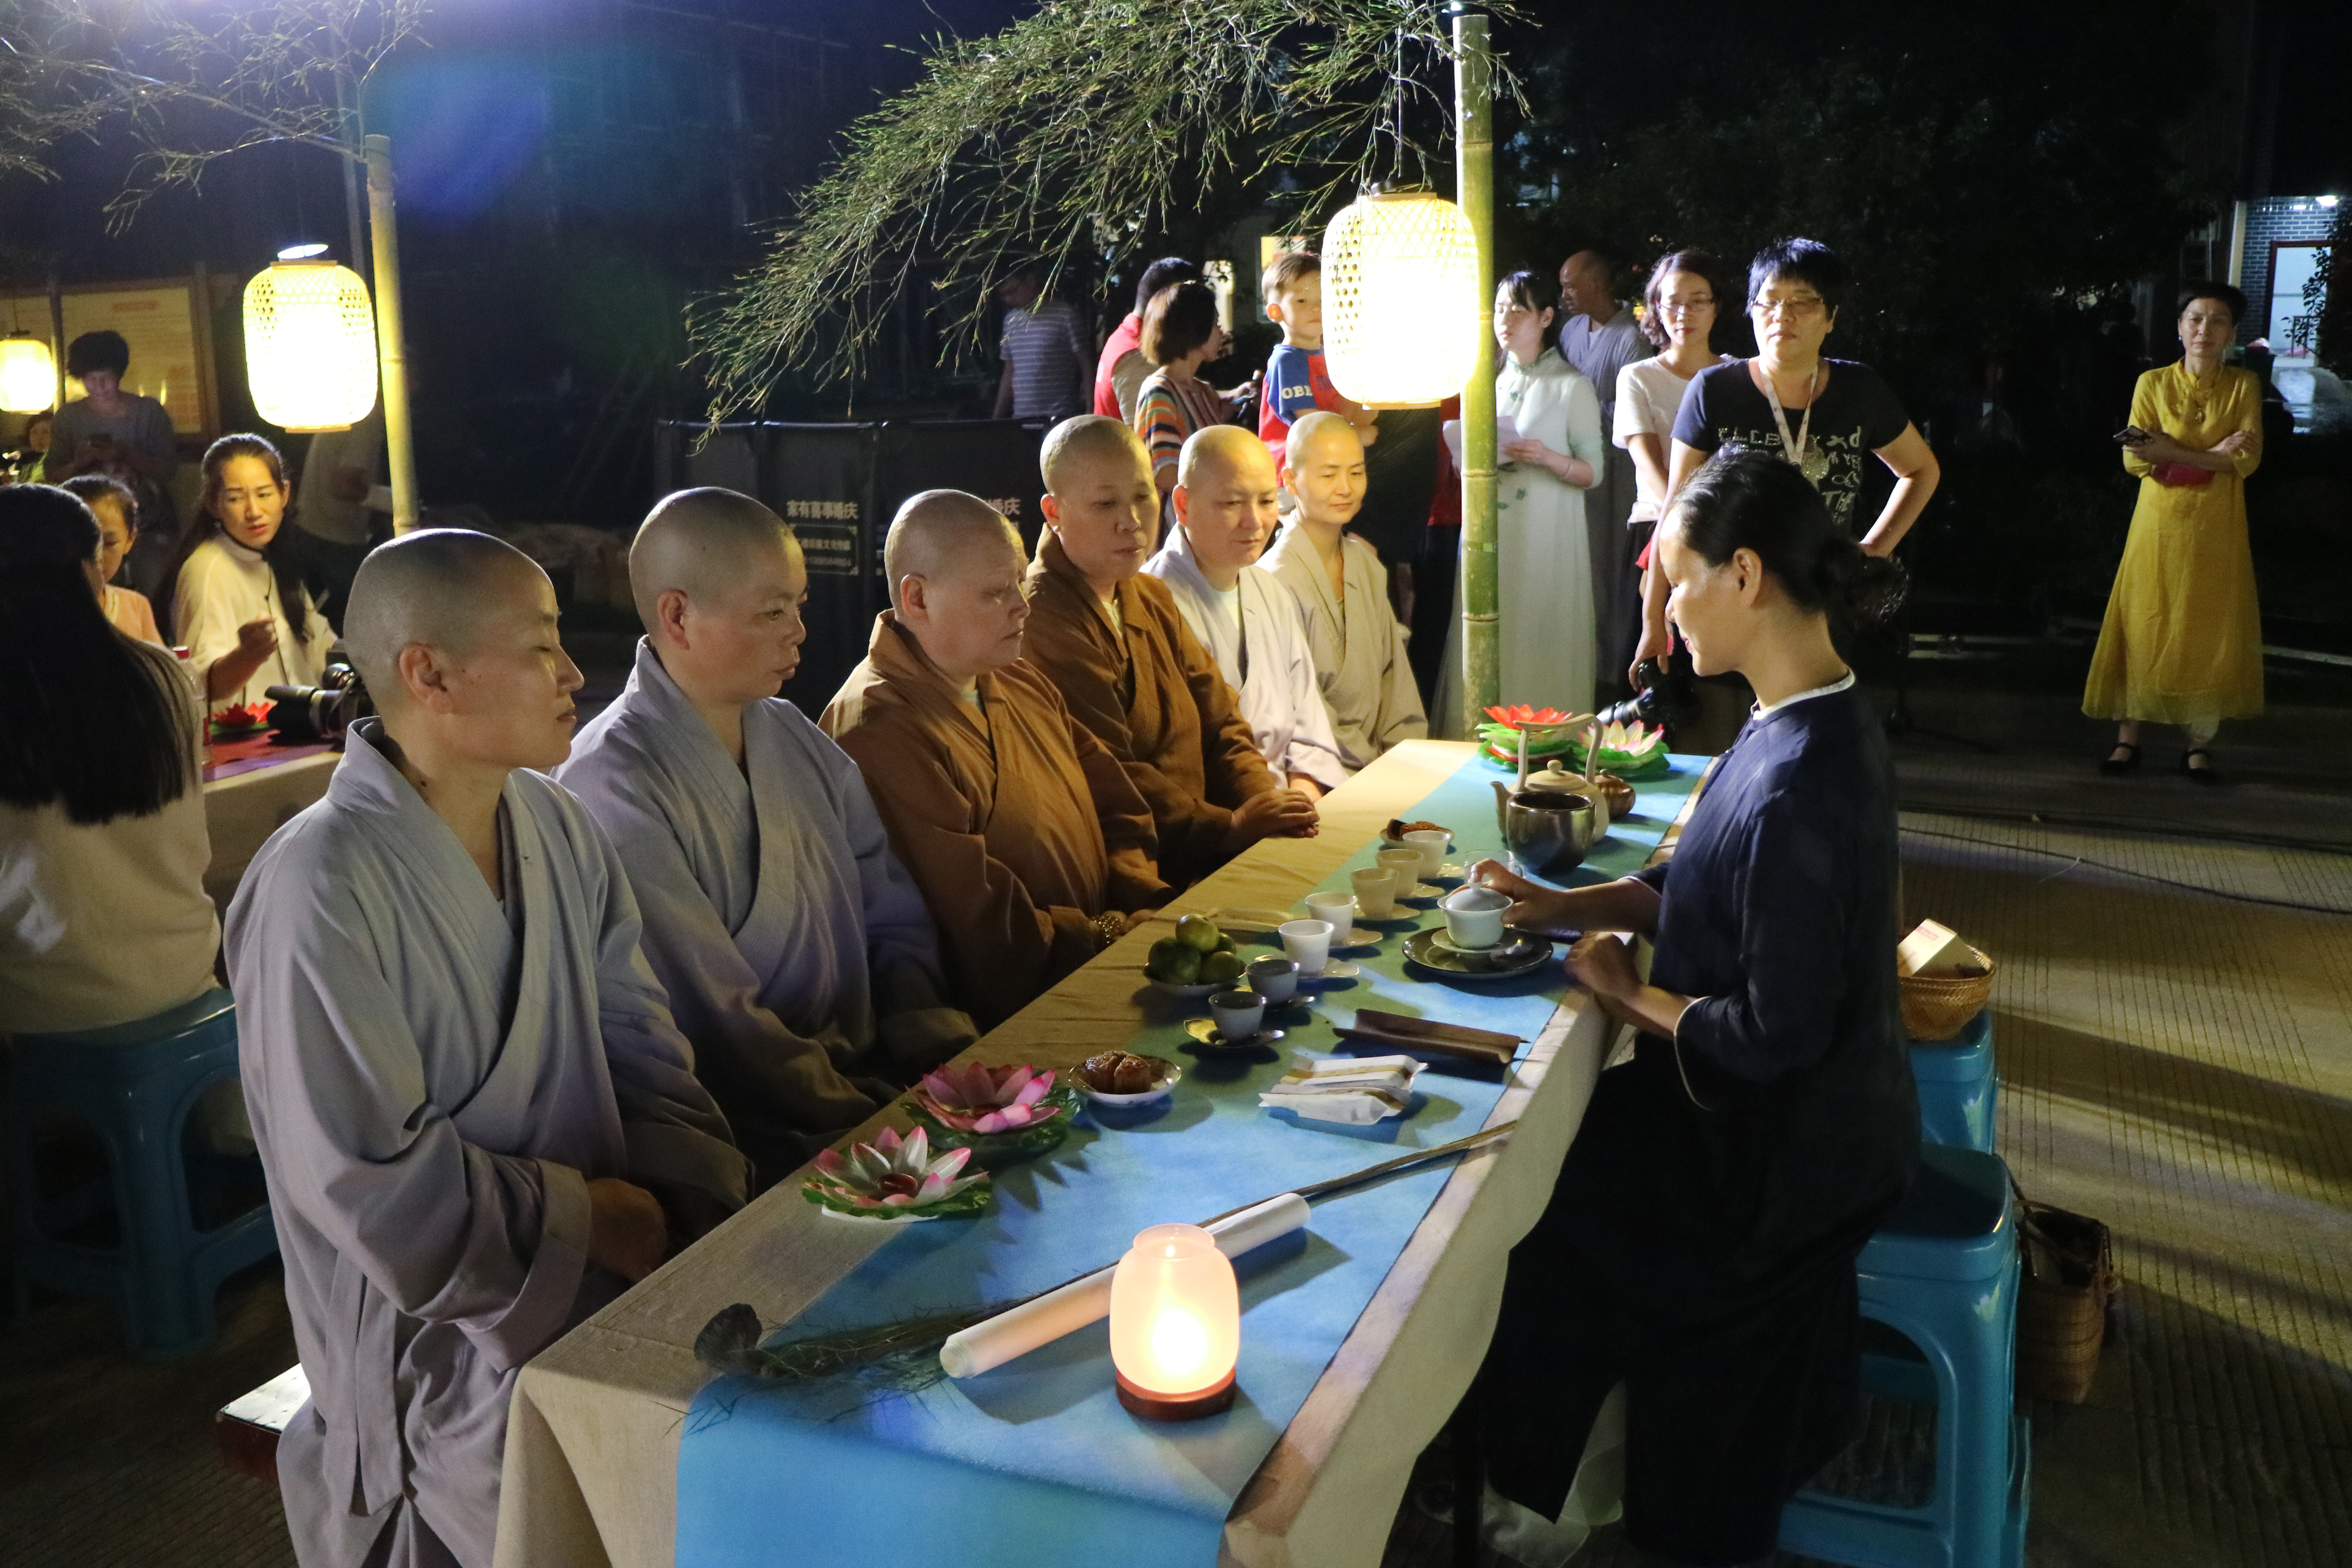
{"x": 1700, "y": 1244}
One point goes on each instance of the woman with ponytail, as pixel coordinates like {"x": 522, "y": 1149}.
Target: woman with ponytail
{"x": 1700, "y": 1244}
{"x": 103, "y": 916}
{"x": 236, "y": 596}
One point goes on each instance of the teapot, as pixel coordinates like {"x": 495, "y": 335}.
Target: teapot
{"x": 1548, "y": 831}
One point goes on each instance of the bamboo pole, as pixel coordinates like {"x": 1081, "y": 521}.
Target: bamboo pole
{"x": 1474, "y": 164}
{"x": 391, "y": 353}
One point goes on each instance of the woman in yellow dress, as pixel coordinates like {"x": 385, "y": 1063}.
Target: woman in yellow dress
{"x": 2183, "y": 639}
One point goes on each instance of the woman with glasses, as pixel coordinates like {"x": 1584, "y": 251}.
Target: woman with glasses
{"x": 1823, "y": 416}
{"x": 1680, "y": 323}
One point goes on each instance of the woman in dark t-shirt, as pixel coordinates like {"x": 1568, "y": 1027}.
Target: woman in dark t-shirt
{"x": 1820, "y": 414}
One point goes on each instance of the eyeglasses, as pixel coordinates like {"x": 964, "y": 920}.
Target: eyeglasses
{"x": 1796, "y": 309}
{"x": 1685, "y": 307}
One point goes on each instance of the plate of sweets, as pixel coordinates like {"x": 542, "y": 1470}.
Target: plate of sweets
{"x": 1125, "y": 1079}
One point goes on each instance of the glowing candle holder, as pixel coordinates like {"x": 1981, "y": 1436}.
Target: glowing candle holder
{"x": 1175, "y": 1325}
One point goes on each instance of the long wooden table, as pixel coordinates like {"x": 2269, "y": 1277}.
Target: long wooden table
{"x": 243, "y": 810}
{"x": 592, "y": 1437}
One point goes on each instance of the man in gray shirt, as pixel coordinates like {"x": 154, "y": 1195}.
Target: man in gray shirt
{"x": 1601, "y": 338}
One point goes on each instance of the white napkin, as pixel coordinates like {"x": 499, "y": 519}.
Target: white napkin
{"x": 1353, "y": 1089}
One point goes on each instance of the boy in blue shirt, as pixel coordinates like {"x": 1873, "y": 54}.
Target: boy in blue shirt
{"x": 1296, "y": 381}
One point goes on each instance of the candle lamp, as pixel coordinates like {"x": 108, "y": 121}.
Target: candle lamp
{"x": 1175, "y": 1325}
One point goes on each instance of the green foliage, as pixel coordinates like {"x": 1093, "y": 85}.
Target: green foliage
{"x": 190, "y": 83}
{"x": 1081, "y": 131}
{"x": 2332, "y": 305}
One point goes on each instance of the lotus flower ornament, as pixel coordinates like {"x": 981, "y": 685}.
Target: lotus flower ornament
{"x": 897, "y": 1178}
{"x": 1018, "y": 1109}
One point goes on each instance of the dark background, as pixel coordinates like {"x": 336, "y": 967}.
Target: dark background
{"x": 2018, "y": 187}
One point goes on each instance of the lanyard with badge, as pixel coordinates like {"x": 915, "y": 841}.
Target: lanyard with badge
{"x": 1807, "y": 458}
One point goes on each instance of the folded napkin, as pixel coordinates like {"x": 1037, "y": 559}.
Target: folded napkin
{"x": 1353, "y": 1089}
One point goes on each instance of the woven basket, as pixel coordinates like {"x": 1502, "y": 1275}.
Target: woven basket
{"x": 2068, "y": 1288}
{"x": 1937, "y": 1006}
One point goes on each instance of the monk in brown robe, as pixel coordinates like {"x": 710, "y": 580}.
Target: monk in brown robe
{"x": 1031, "y": 848}
{"x": 1132, "y": 672}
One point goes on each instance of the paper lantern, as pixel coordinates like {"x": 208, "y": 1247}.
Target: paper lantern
{"x": 1401, "y": 315}
{"x": 309, "y": 345}
{"x": 1175, "y": 1325}
{"x": 28, "y": 374}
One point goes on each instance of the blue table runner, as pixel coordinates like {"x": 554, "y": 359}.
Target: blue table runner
{"x": 1035, "y": 1465}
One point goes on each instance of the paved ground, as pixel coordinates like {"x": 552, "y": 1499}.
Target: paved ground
{"x": 2175, "y": 1047}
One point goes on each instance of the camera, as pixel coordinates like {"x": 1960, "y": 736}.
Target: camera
{"x": 320, "y": 712}
{"x": 1666, "y": 697}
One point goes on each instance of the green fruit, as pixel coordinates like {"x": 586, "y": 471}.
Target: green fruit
{"x": 1221, "y": 968}
{"x": 1172, "y": 961}
{"x": 1225, "y": 944}
{"x": 1198, "y": 932}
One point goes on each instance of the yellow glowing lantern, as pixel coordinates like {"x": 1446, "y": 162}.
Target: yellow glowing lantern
{"x": 28, "y": 374}
{"x": 1175, "y": 1325}
{"x": 1401, "y": 315}
{"x": 309, "y": 343}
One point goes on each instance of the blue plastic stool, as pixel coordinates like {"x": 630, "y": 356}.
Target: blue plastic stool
{"x": 135, "y": 1084}
{"x": 1943, "y": 1272}
{"x": 1957, "y": 1087}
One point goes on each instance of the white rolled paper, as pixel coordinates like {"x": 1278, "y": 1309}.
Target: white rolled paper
{"x": 993, "y": 1342}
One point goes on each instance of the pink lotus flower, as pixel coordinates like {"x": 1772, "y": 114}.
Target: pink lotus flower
{"x": 981, "y": 1099}
{"x": 892, "y": 1173}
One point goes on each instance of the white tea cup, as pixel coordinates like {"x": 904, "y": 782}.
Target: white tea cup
{"x": 1239, "y": 1015}
{"x": 1431, "y": 842}
{"x": 1376, "y": 891}
{"x": 1473, "y": 916}
{"x": 1405, "y": 863}
{"x": 1340, "y": 908}
{"x": 1308, "y": 943}
{"x": 1275, "y": 979}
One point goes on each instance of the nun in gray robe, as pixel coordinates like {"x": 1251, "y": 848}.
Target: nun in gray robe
{"x": 799, "y": 955}
{"x": 435, "y": 1075}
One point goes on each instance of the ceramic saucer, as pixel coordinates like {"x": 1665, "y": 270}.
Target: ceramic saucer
{"x": 1420, "y": 890}
{"x": 1334, "y": 969}
{"x": 1160, "y": 1091}
{"x": 1519, "y": 955}
{"x": 1204, "y": 1031}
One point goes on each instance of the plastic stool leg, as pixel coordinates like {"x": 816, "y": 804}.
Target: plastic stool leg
{"x": 169, "y": 1313}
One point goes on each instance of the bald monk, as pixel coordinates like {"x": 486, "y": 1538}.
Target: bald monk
{"x": 478, "y": 1123}
{"x": 1030, "y": 847}
{"x": 798, "y": 955}
{"x": 1134, "y": 675}
{"x": 1342, "y": 588}
{"x": 1226, "y": 495}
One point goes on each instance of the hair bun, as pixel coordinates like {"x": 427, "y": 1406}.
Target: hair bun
{"x": 1866, "y": 589}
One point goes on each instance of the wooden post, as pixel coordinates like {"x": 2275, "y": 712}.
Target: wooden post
{"x": 391, "y": 353}
{"x": 1473, "y": 164}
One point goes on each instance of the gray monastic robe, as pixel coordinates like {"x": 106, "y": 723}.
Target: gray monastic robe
{"x": 1263, "y": 655}
{"x": 1359, "y": 648}
{"x": 794, "y": 947}
{"x": 435, "y": 1076}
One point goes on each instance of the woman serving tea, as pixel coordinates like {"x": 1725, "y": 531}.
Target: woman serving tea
{"x": 1700, "y": 1243}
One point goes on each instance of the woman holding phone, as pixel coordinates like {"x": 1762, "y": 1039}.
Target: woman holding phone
{"x": 2182, "y": 643}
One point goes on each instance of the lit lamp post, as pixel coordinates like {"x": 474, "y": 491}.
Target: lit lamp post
{"x": 28, "y": 374}
{"x": 1175, "y": 1325}
{"x": 310, "y": 342}
{"x": 1406, "y": 280}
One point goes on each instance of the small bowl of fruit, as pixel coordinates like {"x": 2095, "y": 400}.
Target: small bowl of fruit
{"x": 1197, "y": 959}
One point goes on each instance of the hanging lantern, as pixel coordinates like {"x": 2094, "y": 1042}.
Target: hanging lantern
{"x": 28, "y": 374}
{"x": 1401, "y": 313}
{"x": 309, "y": 343}
{"x": 1175, "y": 1325}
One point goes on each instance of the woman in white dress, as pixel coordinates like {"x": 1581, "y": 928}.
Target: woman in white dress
{"x": 1543, "y": 562}
{"x": 1684, "y": 288}
{"x": 237, "y": 602}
